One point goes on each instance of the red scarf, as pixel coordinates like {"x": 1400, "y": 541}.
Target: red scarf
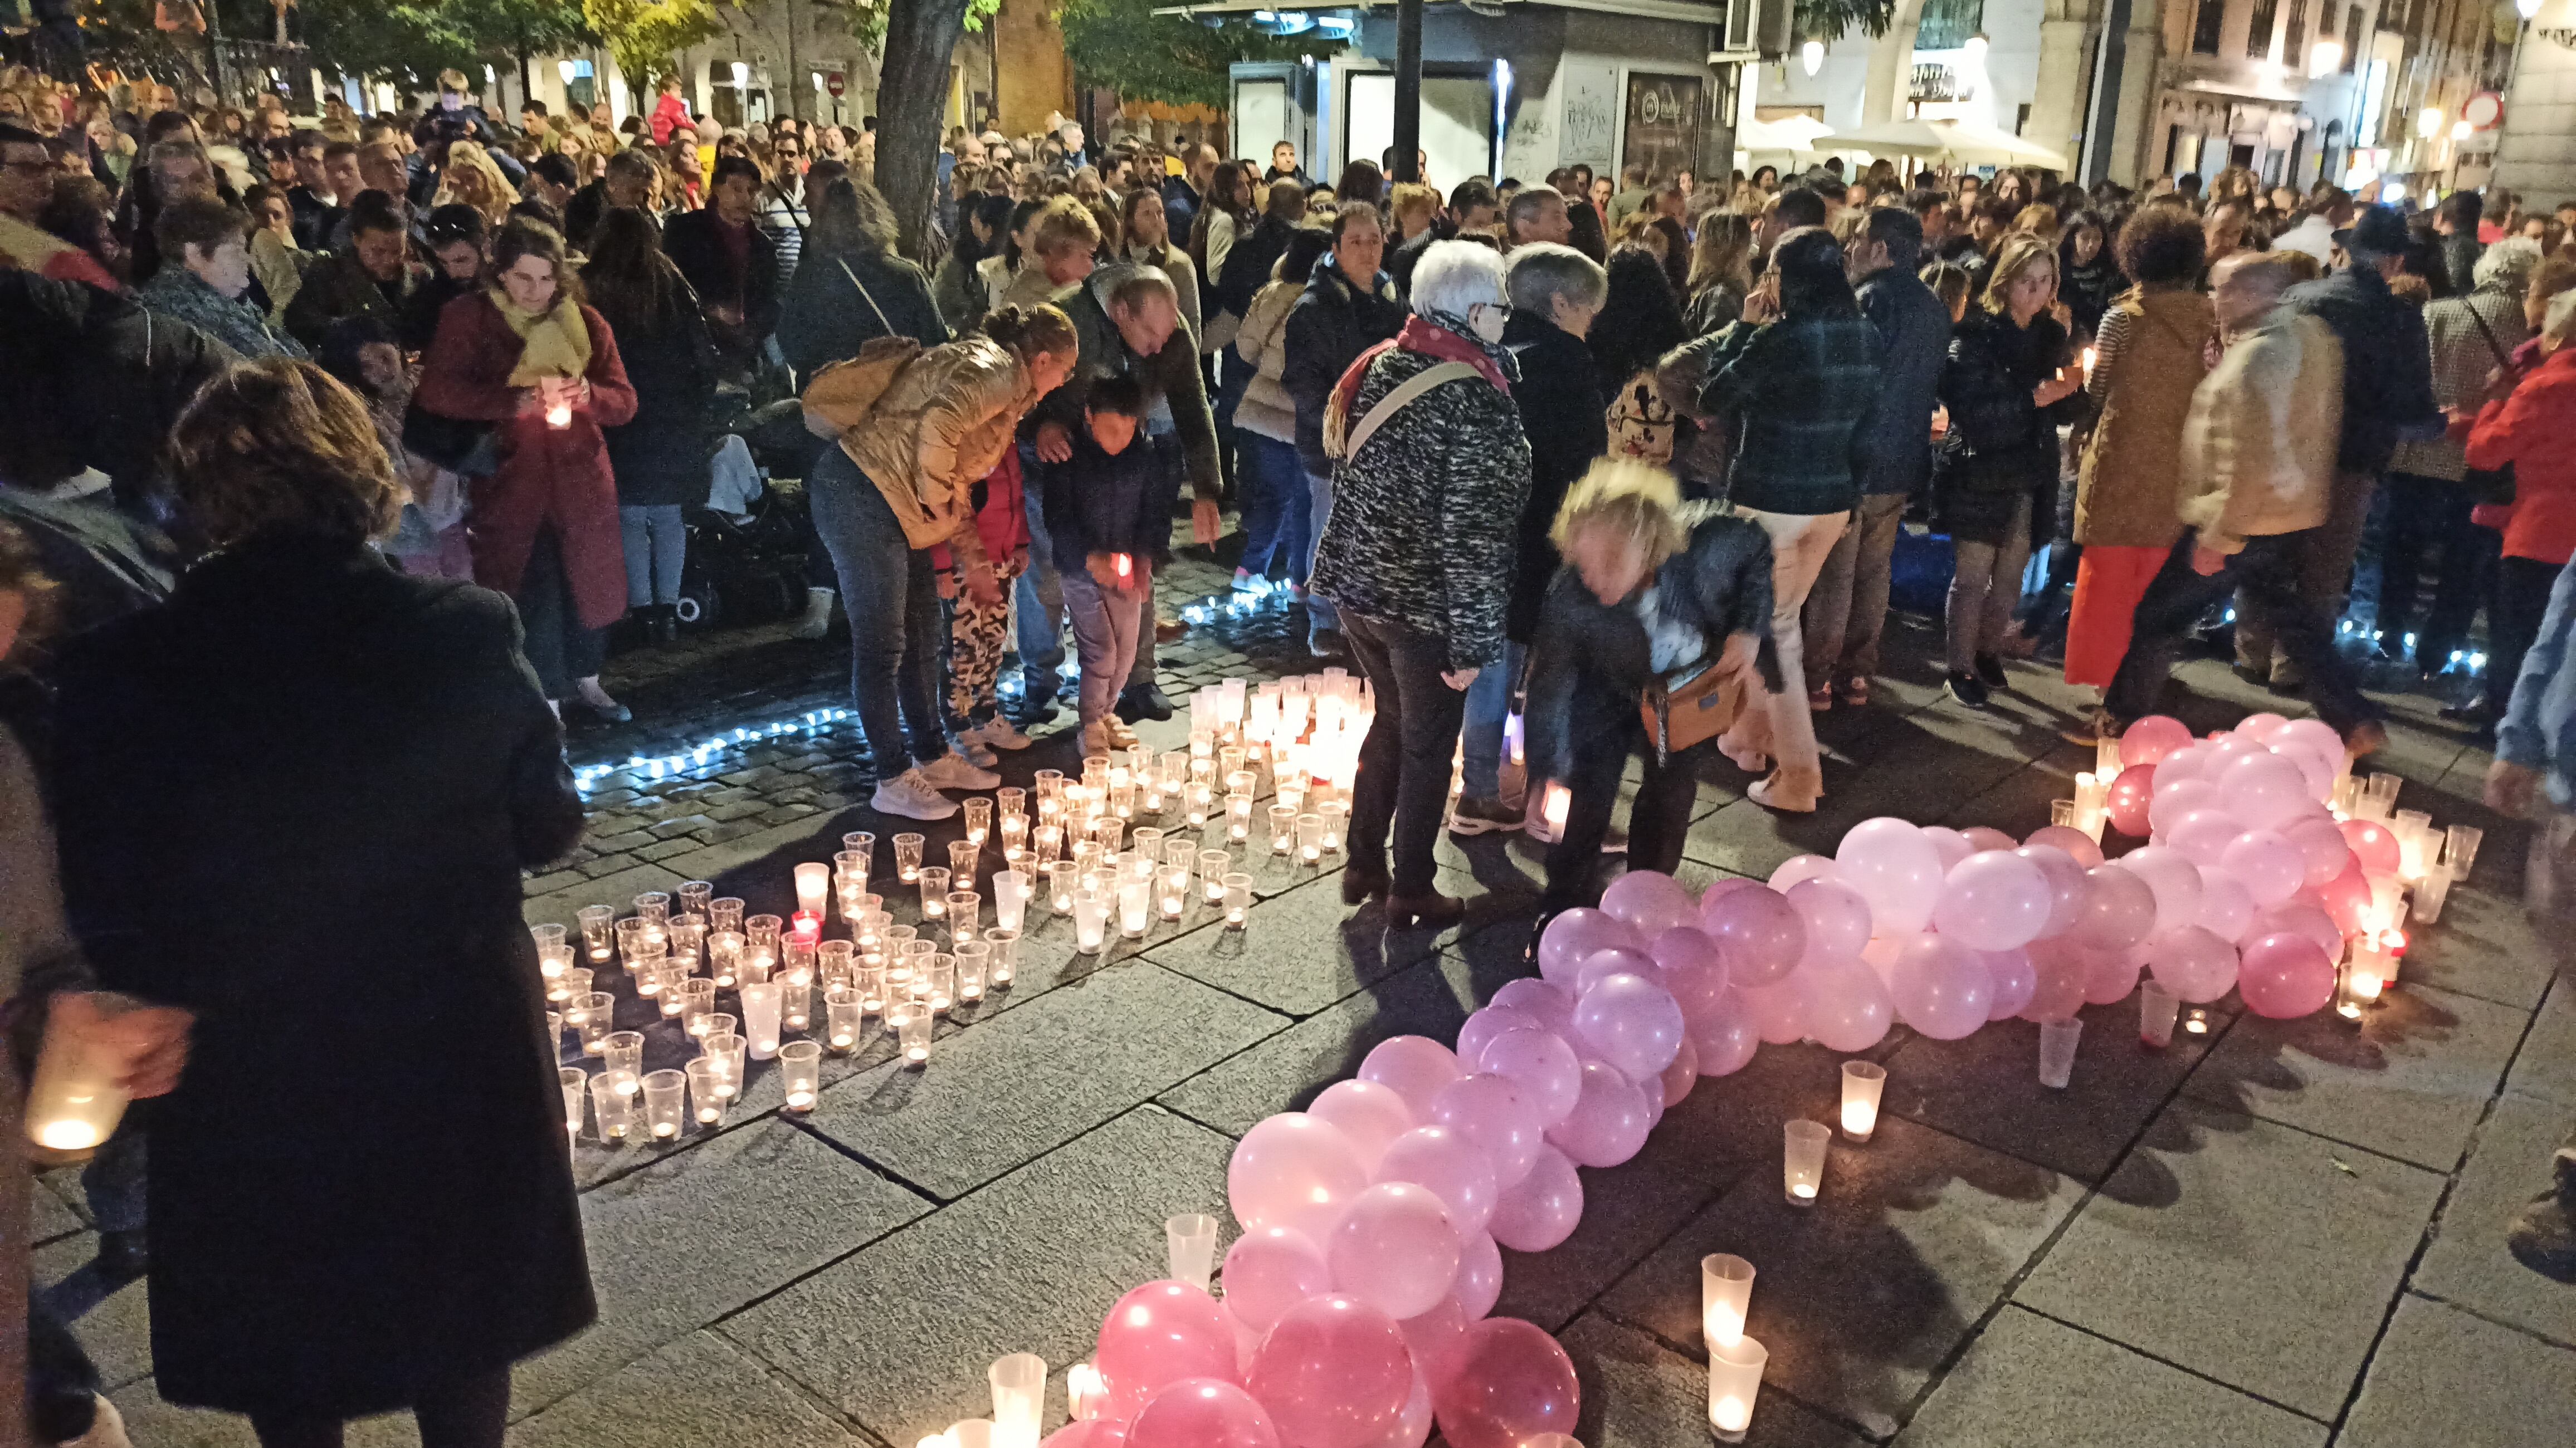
{"x": 1429, "y": 338}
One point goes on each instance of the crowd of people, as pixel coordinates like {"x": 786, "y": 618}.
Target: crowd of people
{"x": 1629, "y": 457}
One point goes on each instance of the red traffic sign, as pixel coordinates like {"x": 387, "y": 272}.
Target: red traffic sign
{"x": 2483, "y": 111}
{"x": 836, "y": 83}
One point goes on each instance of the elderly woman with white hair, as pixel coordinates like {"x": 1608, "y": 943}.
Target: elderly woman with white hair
{"x": 1429, "y": 479}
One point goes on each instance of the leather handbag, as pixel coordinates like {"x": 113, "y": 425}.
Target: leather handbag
{"x": 1696, "y": 711}
{"x": 2490, "y": 485}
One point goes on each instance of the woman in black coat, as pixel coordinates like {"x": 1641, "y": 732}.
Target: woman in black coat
{"x": 295, "y": 800}
{"x": 661, "y": 458}
{"x": 850, "y": 285}
{"x": 2008, "y": 384}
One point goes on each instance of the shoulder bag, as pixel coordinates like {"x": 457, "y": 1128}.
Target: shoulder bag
{"x": 1343, "y": 439}
{"x": 2490, "y": 485}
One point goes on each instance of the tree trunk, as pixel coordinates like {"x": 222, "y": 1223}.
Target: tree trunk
{"x": 912, "y": 97}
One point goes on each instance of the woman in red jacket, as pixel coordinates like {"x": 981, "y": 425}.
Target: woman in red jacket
{"x": 524, "y": 355}
{"x": 2534, "y": 430}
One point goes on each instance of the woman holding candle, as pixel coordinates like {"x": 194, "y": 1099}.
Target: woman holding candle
{"x": 527, "y": 357}
{"x": 360, "y": 1193}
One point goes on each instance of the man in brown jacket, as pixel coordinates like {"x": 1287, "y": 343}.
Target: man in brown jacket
{"x": 2258, "y": 457}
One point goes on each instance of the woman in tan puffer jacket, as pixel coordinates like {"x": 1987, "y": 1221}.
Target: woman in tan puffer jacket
{"x": 918, "y": 431}
{"x": 1277, "y": 504}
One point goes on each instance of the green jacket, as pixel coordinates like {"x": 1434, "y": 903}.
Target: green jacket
{"x": 1170, "y": 377}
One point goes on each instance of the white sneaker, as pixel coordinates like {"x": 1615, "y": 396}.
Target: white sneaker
{"x": 910, "y": 795}
{"x": 999, "y": 733}
{"x": 954, "y": 771}
{"x": 967, "y": 744}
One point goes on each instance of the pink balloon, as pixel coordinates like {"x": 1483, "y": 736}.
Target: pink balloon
{"x": 1949, "y": 844}
{"x": 1542, "y": 1065}
{"x": 2302, "y": 917}
{"x": 1413, "y": 1067}
{"x": 2197, "y": 965}
{"x": 1793, "y": 872}
{"x": 1543, "y": 1209}
{"x": 1202, "y": 1413}
{"x": 2174, "y": 880}
{"x": 2079, "y": 846}
{"x": 2066, "y": 884}
{"x": 2202, "y": 835}
{"x": 1836, "y": 917}
{"x": 1759, "y": 932}
{"x": 2315, "y": 736}
{"x": 2268, "y": 865}
{"x": 1480, "y": 1275}
{"x": 1269, "y": 1270}
{"x": 1693, "y": 967}
{"x": 2182, "y": 797}
{"x": 1993, "y": 901}
{"x": 1496, "y": 1117}
{"x": 1572, "y": 937}
{"x": 1779, "y": 1011}
{"x": 2346, "y": 899}
{"x": 2059, "y": 970}
{"x": 1507, "y": 1383}
{"x": 2263, "y": 789}
{"x": 1895, "y": 869}
{"x": 1157, "y": 1335}
{"x": 1484, "y": 1025}
{"x": 2285, "y": 975}
{"x": 2128, "y": 798}
{"x": 2374, "y": 844}
{"x": 1395, "y": 1249}
{"x": 1089, "y": 1433}
{"x": 1681, "y": 1075}
{"x": 1987, "y": 837}
{"x": 1941, "y": 988}
{"x": 2322, "y": 849}
{"x": 2152, "y": 738}
{"x": 2119, "y": 910}
{"x": 2226, "y": 909}
{"x": 1443, "y": 1162}
{"x": 1293, "y": 1171}
{"x": 1609, "y": 1123}
{"x": 2261, "y": 728}
{"x": 1553, "y": 1005}
{"x": 2192, "y": 761}
{"x": 1434, "y": 1338}
{"x": 1650, "y": 901}
{"x": 2016, "y": 982}
{"x": 1846, "y": 1006}
{"x": 1726, "y": 1034}
{"x": 2109, "y": 975}
{"x": 1334, "y": 1373}
{"x": 2319, "y": 774}
{"x": 1368, "y": 1115}
{"x": 1631, "y": 1023}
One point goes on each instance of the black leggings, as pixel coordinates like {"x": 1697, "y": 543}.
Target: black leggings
{"x": 470, "y": 1413}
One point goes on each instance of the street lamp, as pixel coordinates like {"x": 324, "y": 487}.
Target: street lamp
{"x": 1812, "y": 56}
{"x": 2428, "y": 122}
{"x": 2326, "y": 56}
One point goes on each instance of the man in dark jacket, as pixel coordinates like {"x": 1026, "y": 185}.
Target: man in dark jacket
{"x": 2456, "y": 223}
{"x": 1847, "y": 609}
{"x": 373, "y": 276}
{"x": 1556, "y": 291}
{"x": 730, "y": 262}
{"x": 628, "y": 182}
{"x": 2387, "y": 397}
{"x": 1349, "y": 306}
{"x": 94, "y": 382}
{"x": 1473, "y": 208}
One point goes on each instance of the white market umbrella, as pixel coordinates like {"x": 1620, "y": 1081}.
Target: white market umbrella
{"x": 1789, "y": 133}
{"x": 1958, "y": 141}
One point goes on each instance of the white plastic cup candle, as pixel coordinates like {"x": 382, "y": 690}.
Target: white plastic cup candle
{"x": 1238, "y": 900}
{"x": 1336, "y": 818}
{"x": 623, "y": 1051}
{"x": 1283, "y": 829}
{"x": 74, "y": 1103}
{"x": 2432, "y": 891}
{"x": 1086, "y": 1394}
{"x": 612, "y": 1101}
{"x": 576, "y": 1099}
{"x": 1310, "y": 839}
{"x": 1019, "y": 1398}
{"x": 709, "y": 1095}
{"x": 724, "y": 914}
{"x": 1725, "y": 1298}
{"x": 598, "y": 924}
{"x": 760, "y": 1005}
{"x": 1135, "y": 908}
{"x": 974, "y": 967}
{"x": 2460, "y": 849}
{"x": 1734, "y": 1382}
{"x": 964, "y": 857}
{"x": 813, "y": 886}
{"x": 844, "y": 1021}
{"x": 795, "y": 1005}
{"x": 936, "y": 981}
{"x": 1015, "y": 838}
{"x": 912, "y": 1024}
{"x": 1863, "y": 1082}
{"x": 1190, "y": 1248}
{"x": 2157, "y": 1007}
{"x": 1558, "y": 803}
{"x": 1004, "y": 964}
{"x": 934, "y": 894}
{"x": 1064, "y": 877}
{"x": 729, "y": 1052}
{"x": 1010, "y": 899}
{"x": 907, "y": 858}
{"x": 965, "y": 909}
{"x": 1172, "y": 894}
{"x": 800, "y": 1071}
{"x": 1803, "y": 1161}
{"x": 2057, "y": 1052}
{"x": 1090, "y": 911}
{"x": 593, "y": 1016}
{"x": 665, "y": 1110}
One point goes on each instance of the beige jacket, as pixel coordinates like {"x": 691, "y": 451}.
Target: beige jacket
{"x": 2258, "y": 447}
{"x": 1266, "y": 408}
{"x": 934, "y": 433}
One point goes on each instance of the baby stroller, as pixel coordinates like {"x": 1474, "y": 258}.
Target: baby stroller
{"x": 748, "y": 546}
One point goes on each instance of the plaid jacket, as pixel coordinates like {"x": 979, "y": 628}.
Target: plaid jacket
{"x": 1803, "y": 391}
{"x": 2462, "y": 358}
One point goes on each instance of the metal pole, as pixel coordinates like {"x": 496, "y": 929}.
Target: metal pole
{"x": 1408, "y": 90}
{"x": 2110, "y": 59}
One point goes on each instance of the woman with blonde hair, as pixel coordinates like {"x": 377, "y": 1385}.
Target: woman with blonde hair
{"x": 1062, "y": 249}
{"x": 1655, "y": 594}
{"x": 1411, "y": 207}
{"x": 1721, "y": 271}
{"x": 472, "y": 178}
{"x": 1994, "y": 481}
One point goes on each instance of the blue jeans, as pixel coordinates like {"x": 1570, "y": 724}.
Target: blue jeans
{"x": 1039, "y": 595}
{"x": 657, "y": 546}
{"x": 1489, "y": 702}
{"x": 893, "y": 604}
{"x": 1106, "y": 626}
{"x": 1319, "y": 611}
{"x": 1276, "y": 508}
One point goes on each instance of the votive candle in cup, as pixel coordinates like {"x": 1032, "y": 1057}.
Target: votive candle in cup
{"x": 760, "y": 1007}
{"x": 1107, "y": 832}
{"x": 907, "y": 858}
{"x": 844, "y": 1023}
{"x": 1004, "y": 963}
{"x": 1863, "y": 1082}
{"x": 1238, "y": 817}
{"x": 598, "y": 931}
{"x": 937, "y": 982}
{"x": 1725, "y": 1298}
{"x": 912, "y": 1024}
{"x": 1310, "y": 839}
{"x": 2432, "y": 891}
{"x": 653, "y": 907}
{"x": 2057, "y": 1051}
{"x": 1146, "y": 840}
{"x": 576, "y": 1099}
{"x": 1019, "y": 1398}
{"x": 709, "y": 1095}
{"x": 1283, "y": 829}
{"x": 1172, "y": 894}
{"x": 963, "y": 858}
{"x": 612, "y": 1103}
{"x": 836, "y": 962}
{"x": 1201, "y": 799}
{"x": 1237, "y": 900}
{"x": 1803, "y": 1161}
{"x": 1064, "y": 877}
{"x": 2460, "y": 849}
{"x": 1189, "y": 1243}
{"x": 665, "y": 1105}
{"x": 2157, "y": 1008}
{"x": 731, "y": 1054}
{"x": 1086, "y": 1394}
{"x": 1010, "y": 899}
{"x": 593, "y": 1017}
{"x": 1336, "y": 817}
{"x": 965, "y": 908}
{"x": 798, "y": 960}
{"x": 761, "y": 935}
{"x": 1734, "y": 1382}
{"x": 724, "y": 956}
{"x": 979, "y": 820}
{"x": 2195, "y": 1022}
{"x": 1135, "y": 908}
{"x": 1090, "y": 911}
{"x": 850, "y": 870}
{"x": 1015, "y": 838}
{"x": 800, "y": 1072}
{"x": 973, "y": 960}
{"x": 813, "y": 887}
{"x": 725, "y": 913}
{"x": 1213, "y": 866}
{"x": 795, "y": 1005}
{"x": 1046, "y": 844}
{"x": 934, "y": 894}
{"x": 623, "y": 1051}
{"x": 872, "y": 989}
{"x": 693, "y": 896}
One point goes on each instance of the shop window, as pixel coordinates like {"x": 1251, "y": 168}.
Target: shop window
{"x": 1947, "y": 24}
{"x": 2205, "y": 26}
{"x": 2258, "y": 33}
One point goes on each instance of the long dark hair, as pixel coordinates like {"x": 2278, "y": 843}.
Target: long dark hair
{"x": 1361, "y": 181}
{"x": 1021, "y": 211}
{"x": 995, "y": 213}
{"x": 1810, "y": 263}
{"x": 1640, "y": 321}
{"x": 629, "y": 280}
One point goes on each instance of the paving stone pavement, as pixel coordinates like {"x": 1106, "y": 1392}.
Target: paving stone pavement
{"x": 2274, "y": 1234}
